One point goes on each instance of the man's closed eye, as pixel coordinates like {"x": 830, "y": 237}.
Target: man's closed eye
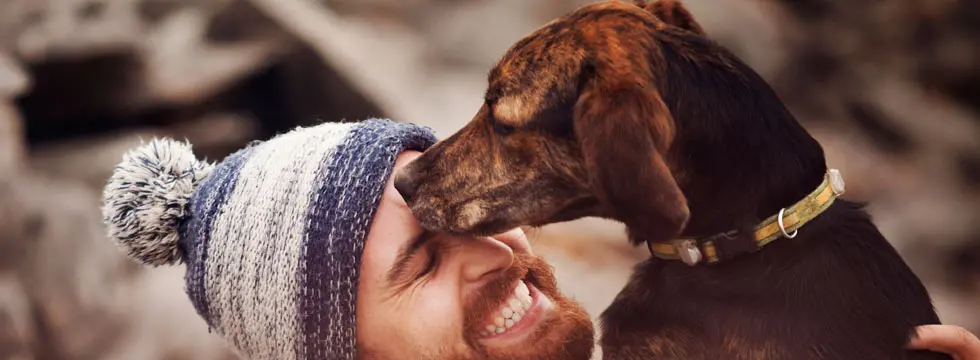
{"x": 416, "y": 260}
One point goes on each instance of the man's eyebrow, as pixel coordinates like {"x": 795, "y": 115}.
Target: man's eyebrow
{"x": 405, "y": 253}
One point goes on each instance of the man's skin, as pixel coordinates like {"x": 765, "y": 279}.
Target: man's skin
{"x": 437, "y": 301}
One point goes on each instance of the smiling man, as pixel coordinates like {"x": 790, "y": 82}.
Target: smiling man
{"x": 436, "y": 296}
{"x": 300, "y": 248}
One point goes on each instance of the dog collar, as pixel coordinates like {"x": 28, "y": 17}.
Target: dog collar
{"x": 784, "y": 224}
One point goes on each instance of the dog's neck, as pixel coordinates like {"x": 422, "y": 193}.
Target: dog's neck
{"x": 744, "y": 155}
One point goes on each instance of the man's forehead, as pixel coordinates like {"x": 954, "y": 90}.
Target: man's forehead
{"x": 394, "y": 198}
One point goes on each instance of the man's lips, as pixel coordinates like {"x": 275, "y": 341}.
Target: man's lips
{"x": 516, "y": 315}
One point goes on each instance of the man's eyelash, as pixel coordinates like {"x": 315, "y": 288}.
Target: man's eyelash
{"x": 406, "y": 277}
{"x": 434, "y": 252}
{"x": 431, "y": 265}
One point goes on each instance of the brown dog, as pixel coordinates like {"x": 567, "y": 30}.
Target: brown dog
{"x": 627, "y": 111}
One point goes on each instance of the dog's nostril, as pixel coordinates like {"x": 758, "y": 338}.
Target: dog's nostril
{"x": 405, "y": 184}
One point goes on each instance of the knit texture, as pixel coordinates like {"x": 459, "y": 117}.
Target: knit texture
{"x": 147, "y": 196}
{"x": 273, "y": 236}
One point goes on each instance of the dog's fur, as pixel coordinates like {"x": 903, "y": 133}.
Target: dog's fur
{"x": 627, "y": 111}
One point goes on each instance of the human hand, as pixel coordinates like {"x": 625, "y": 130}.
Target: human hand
{"x": 949, "y": 339}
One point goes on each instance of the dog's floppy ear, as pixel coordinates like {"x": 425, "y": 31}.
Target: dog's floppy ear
{"x": 672, "y": 12}
{"x": 623, "y": 133}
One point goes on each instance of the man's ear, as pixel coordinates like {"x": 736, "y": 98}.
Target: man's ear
{"x": 672, "y": 12}
{"x": 623, "y": 133}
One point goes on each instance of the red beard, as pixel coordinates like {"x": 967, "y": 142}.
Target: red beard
{"x": 567, "y": 333}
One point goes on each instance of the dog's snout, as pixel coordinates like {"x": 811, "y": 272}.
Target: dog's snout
{"x": 406, "y": 185}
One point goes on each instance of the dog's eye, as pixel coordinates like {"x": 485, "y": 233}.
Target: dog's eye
{"x": 502, "y": 129}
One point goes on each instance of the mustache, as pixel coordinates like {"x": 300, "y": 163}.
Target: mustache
{"x": 532, "y": 269}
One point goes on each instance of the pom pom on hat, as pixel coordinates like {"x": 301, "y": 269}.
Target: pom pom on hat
{"x": 148, "y": 196}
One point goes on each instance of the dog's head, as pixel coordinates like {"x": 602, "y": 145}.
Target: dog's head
{"x": 573, "y": 125}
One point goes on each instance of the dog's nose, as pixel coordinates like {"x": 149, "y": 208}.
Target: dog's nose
{"x": 405, "y": 184}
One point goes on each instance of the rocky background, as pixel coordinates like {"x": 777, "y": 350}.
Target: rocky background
{"x": 892, "y": 89}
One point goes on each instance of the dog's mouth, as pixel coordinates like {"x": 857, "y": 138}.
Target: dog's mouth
{"x": 473, "y": 218}
{"x": 486, "y": 217}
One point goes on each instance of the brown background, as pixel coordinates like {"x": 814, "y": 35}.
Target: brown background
{"x": 891, "y": 88}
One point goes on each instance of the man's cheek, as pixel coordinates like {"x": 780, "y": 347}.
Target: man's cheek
{"x": 437, "y": 311}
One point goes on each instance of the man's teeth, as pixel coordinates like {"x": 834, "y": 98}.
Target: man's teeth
{"x": 511, "y": 311}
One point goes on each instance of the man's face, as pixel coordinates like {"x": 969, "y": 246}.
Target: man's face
{"x": 435, "y": 296}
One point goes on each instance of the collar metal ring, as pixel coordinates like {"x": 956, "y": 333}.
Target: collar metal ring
{"x": 783, "y": 227}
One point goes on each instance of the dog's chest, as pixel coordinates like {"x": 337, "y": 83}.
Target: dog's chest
{"x": 677, "y": 318}
{"x": 676, "y": 344}
{"x": 793, "y": 317}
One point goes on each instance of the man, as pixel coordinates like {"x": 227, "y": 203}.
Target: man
{"x": 300, "y": 248}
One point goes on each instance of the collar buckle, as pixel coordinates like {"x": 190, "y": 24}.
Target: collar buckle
{"x": 688, "y": 251}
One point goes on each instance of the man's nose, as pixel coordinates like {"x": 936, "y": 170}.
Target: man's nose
{"x": 483, "y": 257}
{"x": 405, "y": 184}
{"x": 516, "y": 239}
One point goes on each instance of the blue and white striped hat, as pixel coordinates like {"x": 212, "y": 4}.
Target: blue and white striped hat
{"x": 271, "y": 236}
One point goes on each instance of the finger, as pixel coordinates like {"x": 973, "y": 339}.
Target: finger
{"x": 949, "y": 339}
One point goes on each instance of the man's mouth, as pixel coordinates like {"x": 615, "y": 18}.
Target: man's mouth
{"x": 519, "y": 312}
{"x": 522, "y": 315}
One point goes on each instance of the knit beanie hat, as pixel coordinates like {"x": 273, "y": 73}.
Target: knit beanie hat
{"x": 271, "y": 236}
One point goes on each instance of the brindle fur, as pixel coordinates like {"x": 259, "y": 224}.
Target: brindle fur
{"x": 627, "y": 111}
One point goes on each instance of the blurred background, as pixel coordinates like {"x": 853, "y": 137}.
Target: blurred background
{"x": 891, "y": 89}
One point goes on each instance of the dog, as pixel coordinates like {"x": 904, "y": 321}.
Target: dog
{"x": 628, "y": 111}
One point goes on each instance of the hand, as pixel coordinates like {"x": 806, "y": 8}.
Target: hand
{"x": 949, "y": 339}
